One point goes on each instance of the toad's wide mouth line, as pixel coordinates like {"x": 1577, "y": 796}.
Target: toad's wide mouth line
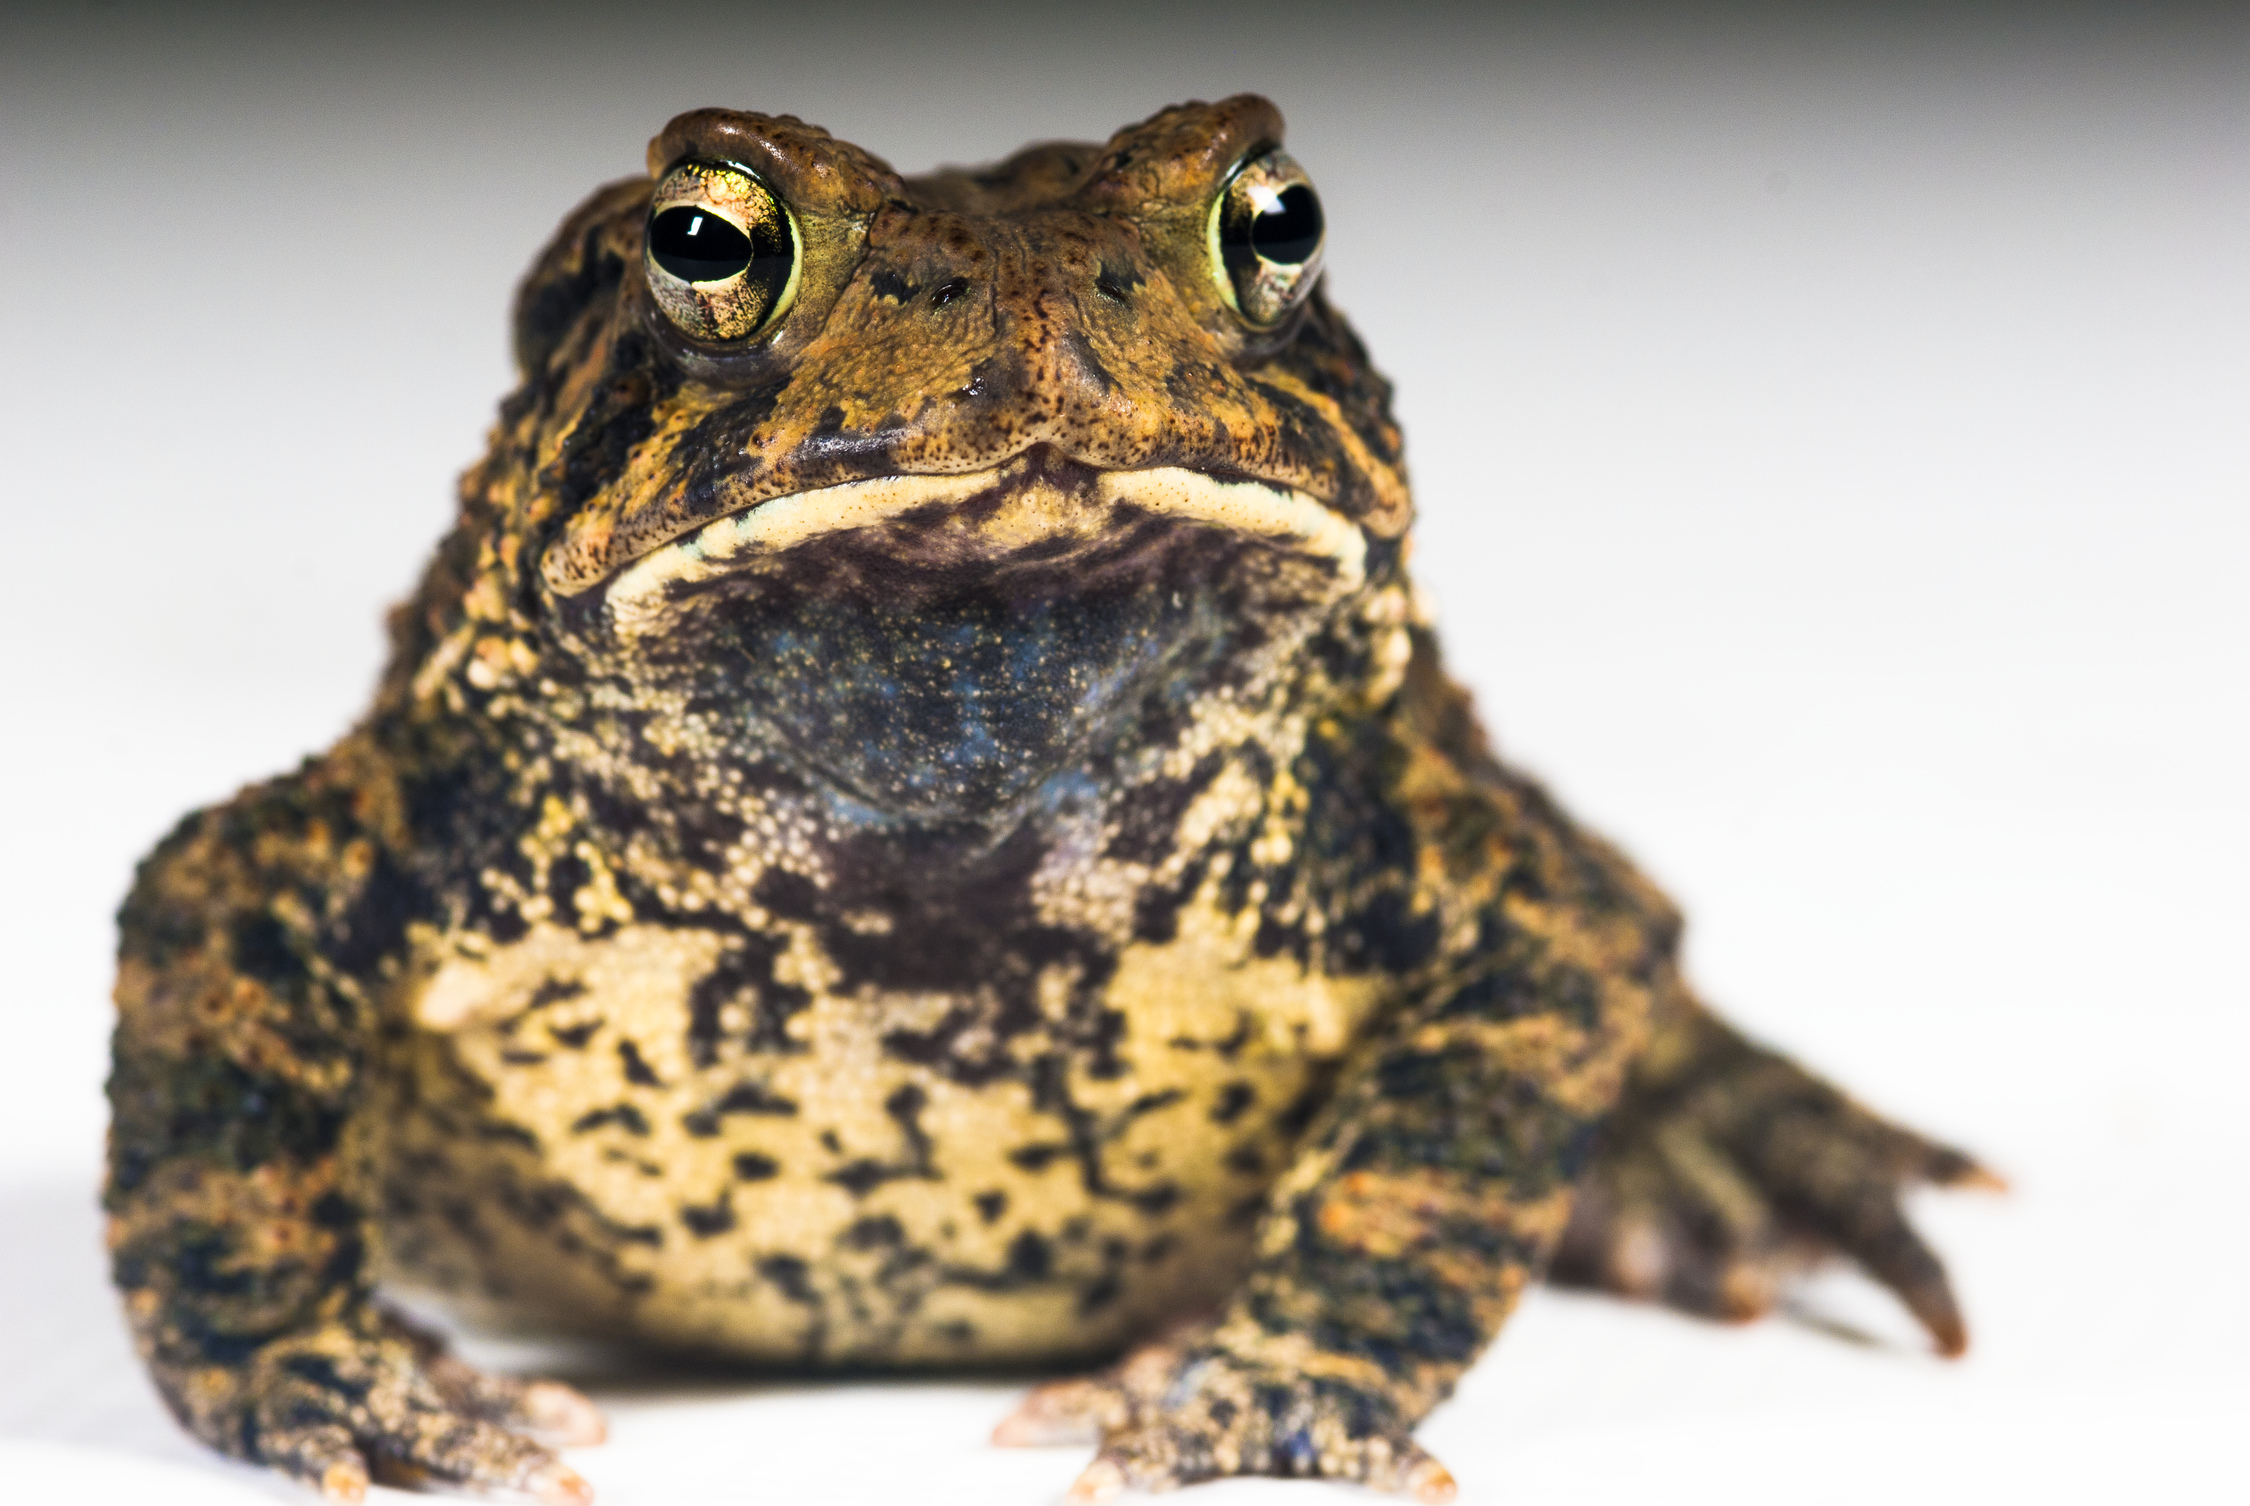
{"x": 1010, "y": 506}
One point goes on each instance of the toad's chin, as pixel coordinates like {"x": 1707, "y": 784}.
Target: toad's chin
{"x": 954, "y": 648}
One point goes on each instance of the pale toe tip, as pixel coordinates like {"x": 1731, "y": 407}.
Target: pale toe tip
{"x": 561, "y": 1414}
{"x": 557, "y": 1484}
{"x": 1029, "y": 1427}
{"x": 1748, "y": 1290}
{"x": 344, "y": 1482}
{"x": 1432, "y": 1482}
{"x": 1101, "y": 1481}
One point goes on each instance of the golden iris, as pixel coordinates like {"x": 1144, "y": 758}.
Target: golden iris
{"x": 1266, "y": 234}
{"x": 722, "y": 251}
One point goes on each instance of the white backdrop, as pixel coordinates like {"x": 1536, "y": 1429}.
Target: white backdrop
{"x": 1835, "y": 479}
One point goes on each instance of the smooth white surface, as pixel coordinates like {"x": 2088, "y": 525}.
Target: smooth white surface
{"x": 1834, "y": 476}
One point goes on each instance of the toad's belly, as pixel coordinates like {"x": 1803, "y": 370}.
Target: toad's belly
{"x": 600, "y": 1135}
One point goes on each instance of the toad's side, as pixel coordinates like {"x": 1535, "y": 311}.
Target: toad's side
{"x": 914, "y": 821}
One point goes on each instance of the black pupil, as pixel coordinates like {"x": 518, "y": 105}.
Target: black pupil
{"x": 695, "y": 245}
{"x": 1289, "y": 233}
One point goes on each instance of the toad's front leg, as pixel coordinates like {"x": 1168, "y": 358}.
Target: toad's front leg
{"x": 238, "y": 1225}
{"x": 1420, "y": 1207}
{"x": 1439, "y": 1177}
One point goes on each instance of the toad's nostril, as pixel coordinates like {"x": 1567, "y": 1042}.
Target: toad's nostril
{"x": 1117, "y": 284}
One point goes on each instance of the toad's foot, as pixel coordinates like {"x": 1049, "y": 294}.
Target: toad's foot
{"x": 1728, "y": 1170}
{"x": 378, "y": 1397}
{"x": 1181, "y": 1410}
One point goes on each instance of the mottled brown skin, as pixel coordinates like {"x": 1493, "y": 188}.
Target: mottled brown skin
{"x": 1017, "y": 927}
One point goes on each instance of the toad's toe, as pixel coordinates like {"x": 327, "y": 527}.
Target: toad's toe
{"x": 1070, "y": 1411}
{"x": 1161, "y": 1455}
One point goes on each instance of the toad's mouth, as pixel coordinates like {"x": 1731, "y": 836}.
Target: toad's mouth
{"x": 1035, "y": 505}
{"x": 961, "y": 648}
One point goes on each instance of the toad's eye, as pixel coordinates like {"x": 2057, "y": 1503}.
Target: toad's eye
{"x": 1266, "y": 234}
{"x": 722, "y": 251}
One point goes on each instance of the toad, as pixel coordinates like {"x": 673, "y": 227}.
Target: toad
{"x": 916, "y": 820}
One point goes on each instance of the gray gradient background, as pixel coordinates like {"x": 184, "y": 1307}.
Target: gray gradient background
{"x": 1834, "y": 474}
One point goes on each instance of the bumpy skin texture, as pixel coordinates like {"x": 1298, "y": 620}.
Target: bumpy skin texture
{"x": 1012, "y": 923}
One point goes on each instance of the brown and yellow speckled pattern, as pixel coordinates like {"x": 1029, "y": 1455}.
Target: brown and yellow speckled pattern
{"x": 1049, "y": 909}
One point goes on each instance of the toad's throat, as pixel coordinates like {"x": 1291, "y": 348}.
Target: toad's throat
{"x": 964, "y": 648}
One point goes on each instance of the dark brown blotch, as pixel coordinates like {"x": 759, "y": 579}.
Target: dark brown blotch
{"x": 711, "y": 1218}
{"x": 623, "y": 1115}
{"x": 1234, "y": 1098}
{"x": 637, "y": 1070}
